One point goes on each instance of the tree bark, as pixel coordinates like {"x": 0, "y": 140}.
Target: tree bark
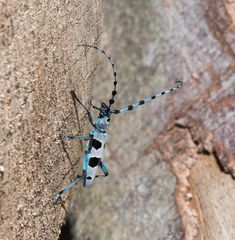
{"x": 171, "y": 163}
{"x": 40, "y": 65}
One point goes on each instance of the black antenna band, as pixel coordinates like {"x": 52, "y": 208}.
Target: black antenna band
{"x": 178, "y": 84}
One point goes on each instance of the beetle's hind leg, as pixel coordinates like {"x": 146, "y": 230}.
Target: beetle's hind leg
{"x": 104, "y": 170}
{"x": 75, "y": 137}
{"x": 58, "y": 195}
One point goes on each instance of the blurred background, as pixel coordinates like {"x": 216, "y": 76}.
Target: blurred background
{"x": 153, "y": 44}
{"x": 136, "y": 201}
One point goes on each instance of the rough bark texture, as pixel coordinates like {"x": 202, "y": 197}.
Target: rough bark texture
{"x": 172, "y": 162}
{"x": 39, "y": 66}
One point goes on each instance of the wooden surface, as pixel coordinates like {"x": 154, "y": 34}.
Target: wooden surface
{"x": 38, "y": 69}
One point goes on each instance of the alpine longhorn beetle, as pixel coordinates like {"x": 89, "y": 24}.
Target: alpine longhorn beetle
{"x": 97, "y": 138}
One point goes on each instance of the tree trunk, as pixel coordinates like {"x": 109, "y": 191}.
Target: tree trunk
{"x": 171, "y": 163}
{"x": 40, "y": 65}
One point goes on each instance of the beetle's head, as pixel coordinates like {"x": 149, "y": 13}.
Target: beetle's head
{"x": 103, "y": 119}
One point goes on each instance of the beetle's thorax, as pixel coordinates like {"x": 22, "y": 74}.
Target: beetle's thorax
{"x": 102, "y": 123}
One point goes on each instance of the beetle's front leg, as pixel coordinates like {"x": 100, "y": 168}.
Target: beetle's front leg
{"x": 74, "y": 96}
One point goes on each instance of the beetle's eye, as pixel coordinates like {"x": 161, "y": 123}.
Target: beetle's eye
{"x": 108, "y": 120}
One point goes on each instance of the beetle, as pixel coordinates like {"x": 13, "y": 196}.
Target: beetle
{"x": 97, "y": 138}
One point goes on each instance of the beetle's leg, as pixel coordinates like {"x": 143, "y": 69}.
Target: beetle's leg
{"x": 74, "y": 96}
{"x": 76, "y": 137}
{"x": 58, "y": 195}
{"x": 104, "y": 170}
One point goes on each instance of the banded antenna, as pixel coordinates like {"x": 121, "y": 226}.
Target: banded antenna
{"x": 114, "y": 92}
{"x": 178, "y": 84}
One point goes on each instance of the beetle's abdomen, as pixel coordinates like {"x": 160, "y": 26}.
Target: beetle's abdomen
{"x": 94, "y": 155}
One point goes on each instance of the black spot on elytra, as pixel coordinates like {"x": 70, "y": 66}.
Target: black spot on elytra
{"x": 93, "y": 162}
{"x": 89, "y": 178}
{"x": 153, "y": 97}
{"x": 141, "y": 102}
{"x": 96, "y": 144}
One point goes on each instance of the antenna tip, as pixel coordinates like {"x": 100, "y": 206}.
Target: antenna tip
{"x": 177, "y": 82}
